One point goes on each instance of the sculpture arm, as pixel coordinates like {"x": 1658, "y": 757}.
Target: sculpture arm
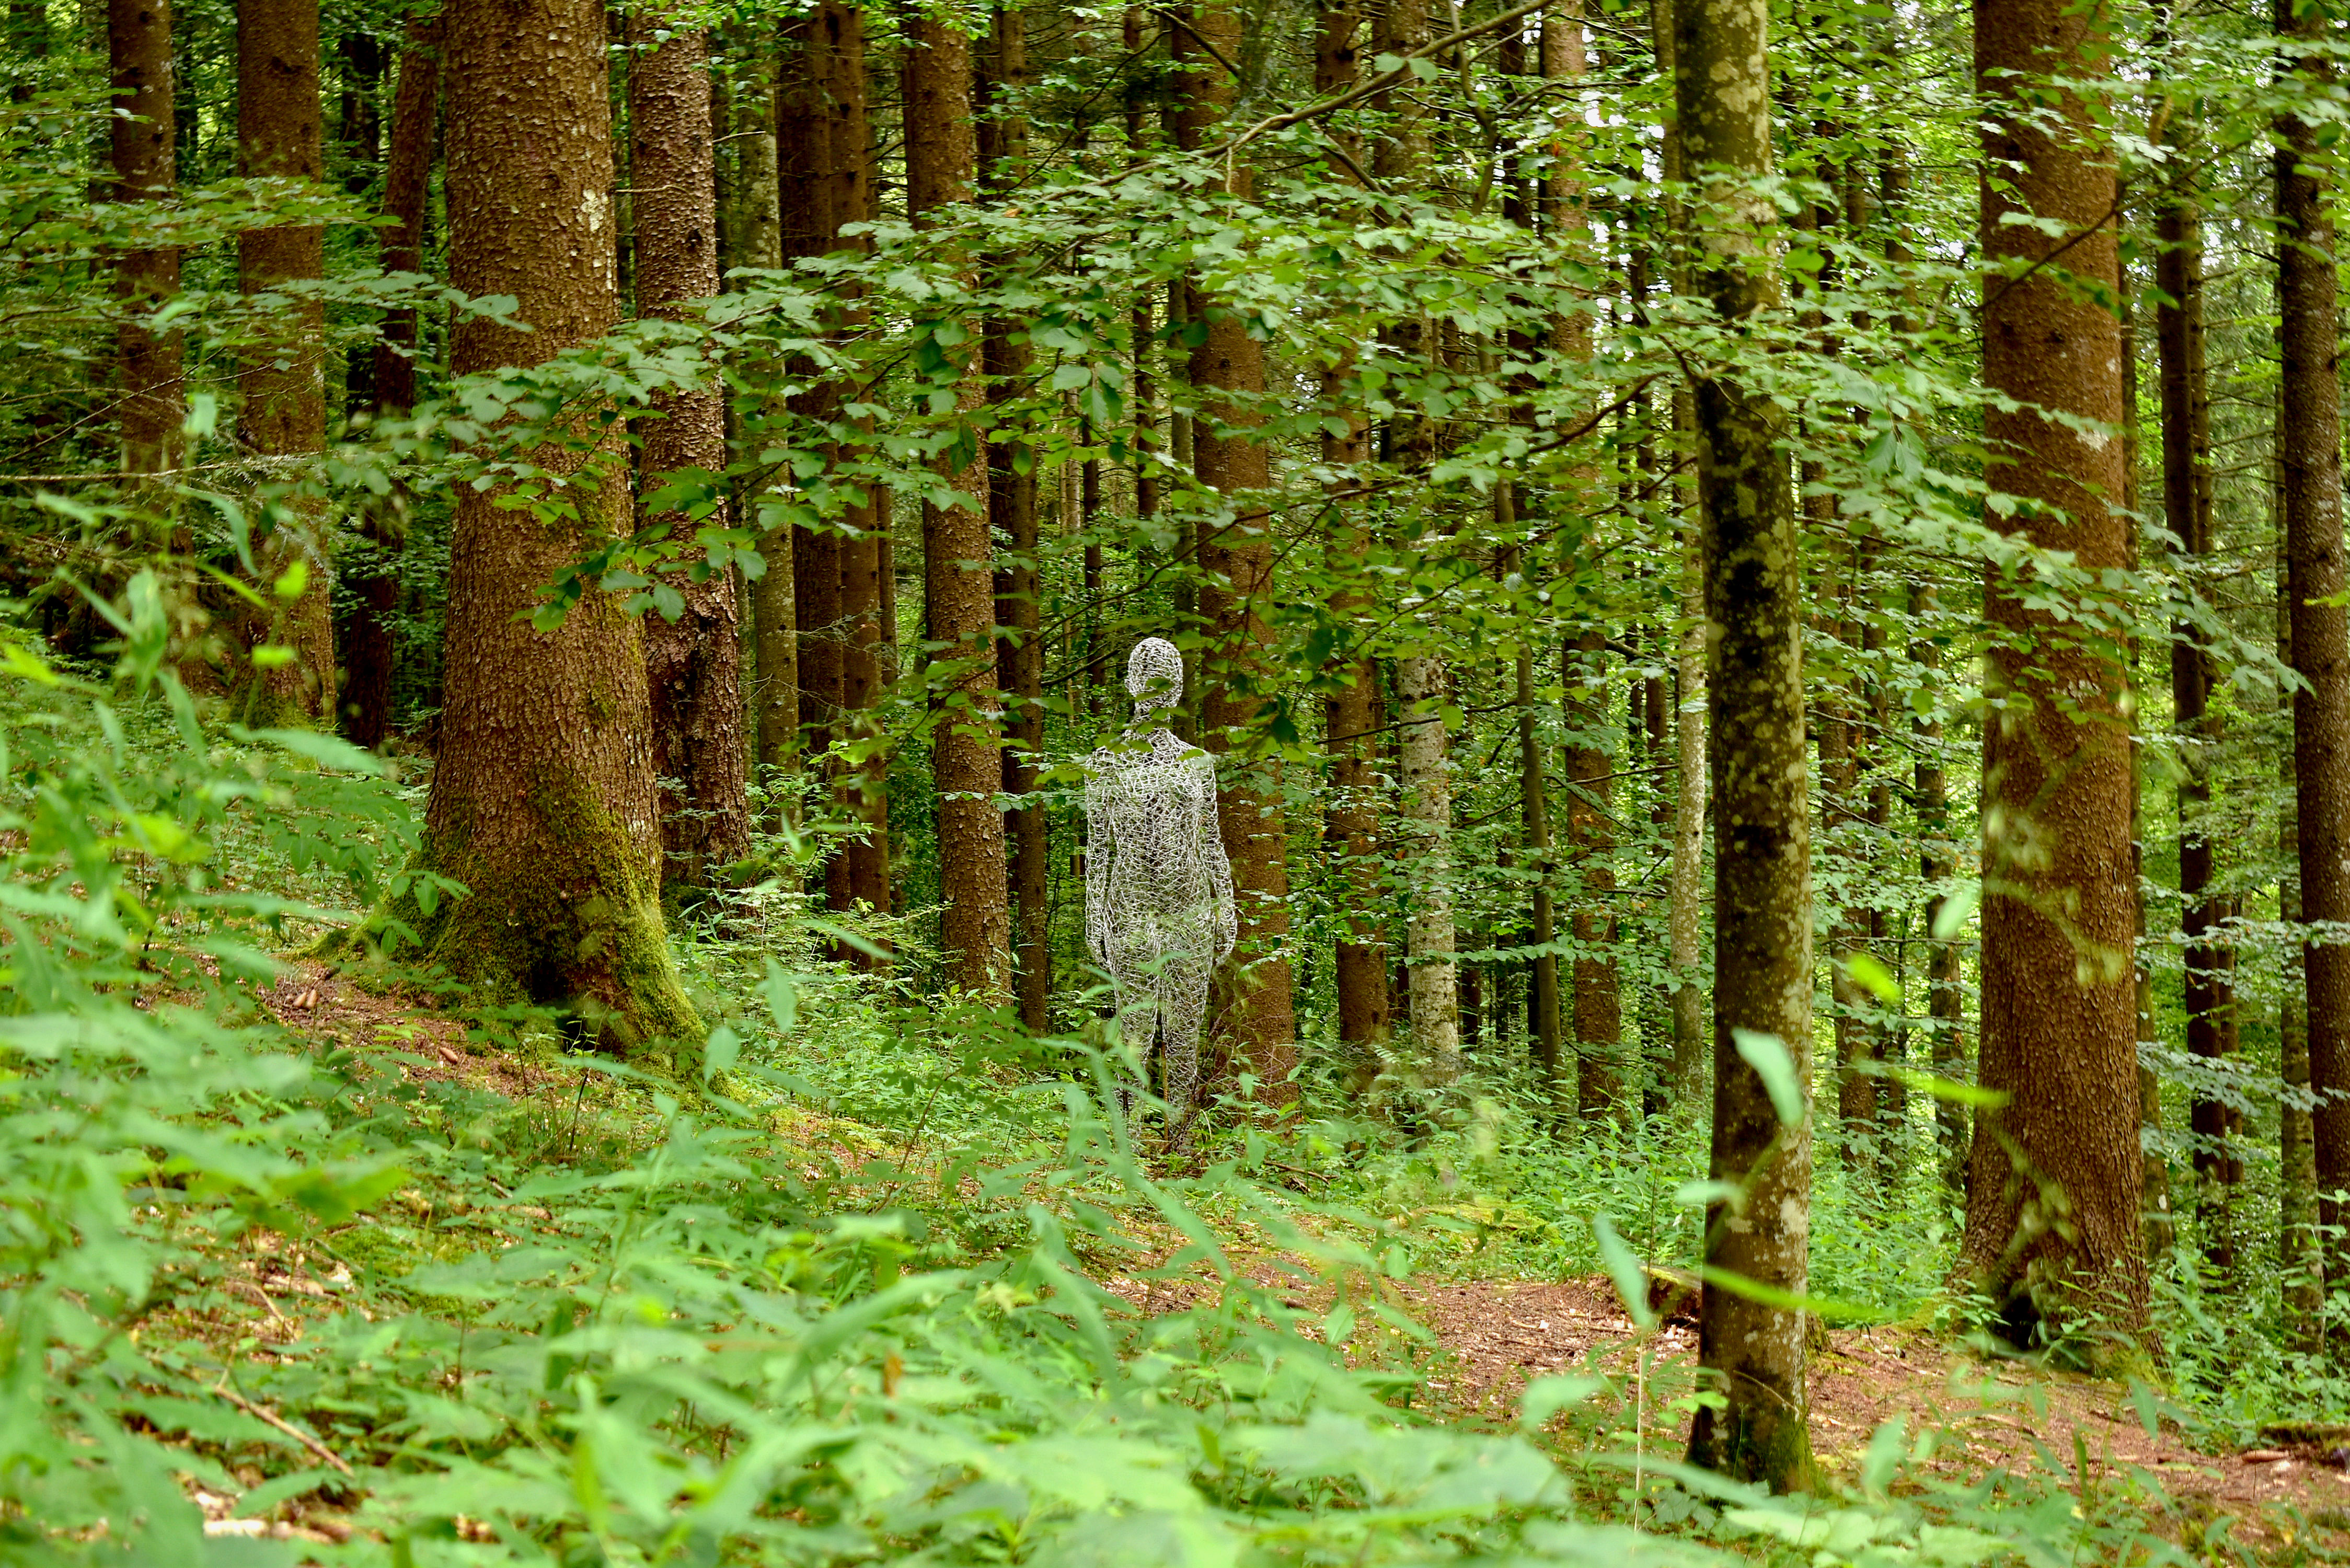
{"x": 1220, "y": 866}
{"x": 1101, "y": 848}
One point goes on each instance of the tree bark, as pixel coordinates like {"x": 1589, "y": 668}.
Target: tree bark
{"x": 1945, "y": 979}
{"x": 692, "y": 664}
{"x": 1353, "y": 709}
{"x": 1426, "y": 811}
{"x": 2309, "y": 456}
{"x": 758, "y": 239}
{"x": 864, "y": 863}
{"x": 957, "y": 567}
{"x": 1753, "y": 1351}
{"x": 542, "y": 801}
{"x": 368, "y": 651}
{"x": 1236, "y": 563}
{"x": 280, "y": 131}
{"x": 2052, "y": 1231}
{"x": 146, "y": 169}
{"x": 2208, "y": 981}
{"x": 1588, "y": 840}
{"x": 1012, "y": 513}
{"x": 1684, "y": 913}
{"x": 2300, "y": 1252}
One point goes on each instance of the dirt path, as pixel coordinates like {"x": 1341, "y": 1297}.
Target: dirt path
{"x": 1497, "y": 1336}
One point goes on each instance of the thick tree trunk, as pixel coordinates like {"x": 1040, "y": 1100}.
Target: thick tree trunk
{"x": 1754, "y": 1352}
{"x": 280, "y": 132}
{"x": 542, "y": 801}
{"x": 1011, "y": 513}
{"x": 2059, "y": 894}
{"x": 957, "y": 568}
{"x": 2309, "y": 455}
{"x": 367, "y": 651}
{"x": 150, "y": 402}
{"x": 2210, "y": 986}
{"x": 692, "y": 664}
{"x": 1236, "y": 574}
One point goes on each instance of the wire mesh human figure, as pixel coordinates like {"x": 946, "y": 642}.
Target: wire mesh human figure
{"x": 1159, "y": 891}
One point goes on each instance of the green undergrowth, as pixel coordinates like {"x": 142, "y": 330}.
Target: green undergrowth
{"x": 854, "y": 1297}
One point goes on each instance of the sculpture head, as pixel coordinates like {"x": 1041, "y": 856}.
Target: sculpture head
{"x": 1154, "y": 675}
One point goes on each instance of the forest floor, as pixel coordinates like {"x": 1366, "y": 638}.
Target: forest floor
{"x": 1490, "y": 1336}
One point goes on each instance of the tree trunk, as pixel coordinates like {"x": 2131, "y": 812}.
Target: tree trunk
{"x": 2059, "y": 890}
{"x": 693, "y": 663}
{"x": 280, "y": 131}
{"x": 1598, "y": 1006}
{"x": 1352, "y": 710}
{"x": 758, "y": 241}
{"x": 2208, "y": 984}
{"x": 1011, "y": 513}
{"x": 542, "y": 801}
{"x": 367, "y": 651}
{"x": 139, "y": 52}
{"x": 957, "y": 567}
{"x": 863, "y": 868}
{"x": 1235, "y": 564}
{"x": 1427, "y": 821}
{"x": 1588, "y": 841}
{"x": 2309, "y": 454}
{"x": 2300, "y": 1253}
{"x": 1763, "y": 931}
{"x": 1684, "y": 913}
{"x": 1936, "y": 863}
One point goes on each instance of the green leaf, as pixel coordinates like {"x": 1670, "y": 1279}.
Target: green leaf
{"x": 271, "y": 656}
{"x": 1769, "y": 1058}
{"x": 1546, "y": 1396}
{"x": 1865, "y": 971}
{"x": 1631, "y": 1280}
{"x": 297, "y": 578}
{"x": 720, "y": 1050}
{"x": 1951, "y": 914}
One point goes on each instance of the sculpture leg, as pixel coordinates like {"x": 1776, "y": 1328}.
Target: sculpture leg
{"x": 1184, "y": 991}
{"x": 1136, "y": 988}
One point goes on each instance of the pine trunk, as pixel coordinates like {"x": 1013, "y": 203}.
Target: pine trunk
{"x": 758, "y": 242}
{"x": 2058, "y": 1009}
{"x": 1011, "y": 513}
{"x": 145, "y": 160}
{"x": 2209, "y": 983}
{"x": 958, "y": 580}
{"x": 693, "y": 663}
{"x": 1235, "y": 561}
{"x": 367, "y": 651}
{"x": 280, "y": 131}
{"x": 2309, "y": 456}
{"x": 863, "y": 870}
{"x": 542, "y": 801}
{"x": 2300, "y": 1253}
{"x": 1352, "y": 710}
{"x": 1752, "y": 1351}
{"x": 1426, "y": 811}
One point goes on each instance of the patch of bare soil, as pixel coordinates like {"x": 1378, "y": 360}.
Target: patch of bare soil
{"x": 1498, "y": 1335}
{"x": 314, "y": 1000}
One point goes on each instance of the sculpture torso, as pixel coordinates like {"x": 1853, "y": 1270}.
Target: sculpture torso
{"x": 1155, "y": 811}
